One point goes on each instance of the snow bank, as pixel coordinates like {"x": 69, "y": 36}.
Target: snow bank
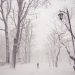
{"x": 31, "y": 69}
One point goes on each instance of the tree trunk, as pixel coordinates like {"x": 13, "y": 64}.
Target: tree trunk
{"x": 56, "y": 63}
{"x": 6, "y": 34}
{"x": 15, "y": 45}
{"x": 29, "y": 52}
{"x": 7, "y": 45}
{"x": 14, "y": 53}
{"x": 25, "y": 55}
{"x": 16, "y": 39}
{"x": 29, "y": 56}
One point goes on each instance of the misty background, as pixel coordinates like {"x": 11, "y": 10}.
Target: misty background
{"x": 44, "y": 22}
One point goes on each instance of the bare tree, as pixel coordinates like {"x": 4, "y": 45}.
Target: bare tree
{"x": 65, "y": 15}
{"x": 55, "y": 50}
{"x": 28, "y": 37}
{"x": 23, "y": 9}
{"x": 58, "y": 53}
{"x": 5, "y": 7}
{"x": 57, "y": 37}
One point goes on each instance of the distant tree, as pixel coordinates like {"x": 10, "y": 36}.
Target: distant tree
{"x": 5, "y": 8}
{"x": 54, "y": 40}
{"x": 57, "y": 42}
{"x": 28, "y": 37}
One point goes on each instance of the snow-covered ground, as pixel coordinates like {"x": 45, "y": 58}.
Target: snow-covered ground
{"x": 31, "y": 69}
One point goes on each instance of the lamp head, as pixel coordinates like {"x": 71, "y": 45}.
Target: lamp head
{"x": 60, "y": 16}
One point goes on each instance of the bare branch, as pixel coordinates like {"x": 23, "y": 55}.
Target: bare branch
{"x": 2, "y": 29}
{"x": 1, "y": 19}
{"x": 25, "y": 14}
{"x": 66, "y": 48}
{"x": 67, "y": 27}
{"x": 73, "y": 58}
{"x": 70, "y": 31}
{"x": 23, "y": 8}
{"x": 3, "y": 1}
{"x": 13, "y": 18}
{"x": 8, "y": 9}
{"x": 2, "y": 12}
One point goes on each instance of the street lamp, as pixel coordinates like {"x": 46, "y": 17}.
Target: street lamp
{"x": 60, "y": 15}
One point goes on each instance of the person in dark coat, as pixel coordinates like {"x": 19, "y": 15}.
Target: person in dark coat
{"x": 37, "y": 65}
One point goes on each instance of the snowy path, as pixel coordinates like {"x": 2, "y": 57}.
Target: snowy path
{"x": 32, "y": 70}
